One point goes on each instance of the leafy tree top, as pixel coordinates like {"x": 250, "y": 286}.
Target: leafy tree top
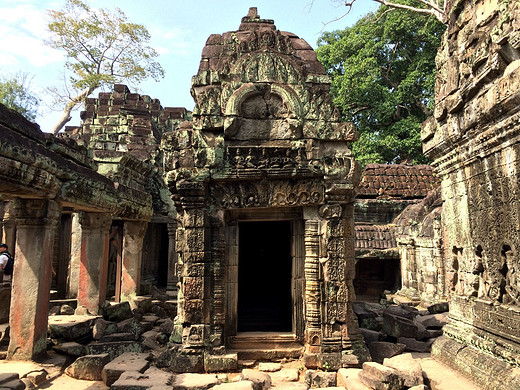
{"x": 15, "y": 93}
{"x": 383, "y": 74}
{"x": 102, "y": 48}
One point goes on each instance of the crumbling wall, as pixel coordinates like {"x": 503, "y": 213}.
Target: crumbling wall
{"x": 474, "y": 141}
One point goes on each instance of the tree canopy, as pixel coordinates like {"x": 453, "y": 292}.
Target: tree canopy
{"x": 15, "y": 93}
{"x": 102, "y": 48}
{"x": 383, "y": 75}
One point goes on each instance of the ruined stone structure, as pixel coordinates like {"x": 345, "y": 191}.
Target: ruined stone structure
{"x": 43, "y": 178}
{"x": 384, "y": 251}
{"x": 474, "y": 141}
{"x": 263, "y": 182}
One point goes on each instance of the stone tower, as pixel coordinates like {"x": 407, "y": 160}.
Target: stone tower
{"x": 263, "y": 181}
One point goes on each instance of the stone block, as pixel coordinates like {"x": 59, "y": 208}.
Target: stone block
{"x": 88, "y": 367}
{"x": 37, "y": 377}
{"x": 344, "y": 373}
{"x": 220, "y": 363}
{"x": 178, "y": 362}
{"x": 317, "y": 379}
{"x": 285, "y": 375}
{"x": 371, "y": 335}
{"x": 407, "y": 368}
{"x": 128, "y": 361}
{"x": 118, "y": 312}
{"x": 241, "y": 385}
{"x": 70, "y": 328}
{"x": 379, "y": 377}
{"x": 118, "y": 336}
{"x": 153, "y": 378}
{"x": 131, "y": 325}
{"x": 102, "y": 328}
{"x": 380, "y": 350}
{"x": 413, "y": 345}
{"x": 433, "y": 321}
{"x": 70, "y": 348}
{"x": 114, "y": 348}
{"x": 396, "y": 326}
{"x": 195, "y": 381}
{"x": 439, "y": 307}
{"x": 269, "y": 367}
{"x": 261, "y": 380}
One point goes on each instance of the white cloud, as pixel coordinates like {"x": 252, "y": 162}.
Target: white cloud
{"x": 22, "y": 32}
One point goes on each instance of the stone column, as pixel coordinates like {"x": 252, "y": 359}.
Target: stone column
{"x": 95, "y": 228}
{"x": 133, "y": 235}
{"x": 171, "y": 286}
{"x": 75, "y": 257}
{"x": 9, "y": 226}
{"x": 36, "y": 222}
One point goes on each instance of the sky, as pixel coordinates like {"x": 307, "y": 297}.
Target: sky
{"x": 179, "y": 30}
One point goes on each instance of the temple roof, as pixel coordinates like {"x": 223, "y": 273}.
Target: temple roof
{"x": 384, "y": 181}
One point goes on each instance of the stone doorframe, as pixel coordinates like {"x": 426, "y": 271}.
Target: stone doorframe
{"x": 295, "y": 216}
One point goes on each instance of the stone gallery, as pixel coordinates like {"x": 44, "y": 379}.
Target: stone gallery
{"x": 252, "y": 218}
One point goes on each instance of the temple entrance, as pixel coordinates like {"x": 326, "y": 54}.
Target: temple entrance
{"x": 265, "y": 277}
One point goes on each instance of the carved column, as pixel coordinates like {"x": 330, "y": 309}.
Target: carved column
{"x": 9, "y": 226}
{"x": 132, "y": 256}
{"x": 92, "y": 287}
{"x": 36, "y": 222}
{"x": 172, "y": 280}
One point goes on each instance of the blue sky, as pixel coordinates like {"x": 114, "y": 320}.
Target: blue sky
{"x": 179, "y": 30}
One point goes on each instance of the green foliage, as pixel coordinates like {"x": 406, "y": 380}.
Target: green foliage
{"x": 102, "y": 48}
{"x": 15, "y": 93}
{"x": 383, "y": 75}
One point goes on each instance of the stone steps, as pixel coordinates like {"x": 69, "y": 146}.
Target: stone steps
{"x": 265, "y": 346}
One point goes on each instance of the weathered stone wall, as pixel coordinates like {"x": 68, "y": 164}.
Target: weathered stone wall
{"x": 474, "y": 142}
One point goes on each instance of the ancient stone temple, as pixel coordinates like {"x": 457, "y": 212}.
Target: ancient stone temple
{"x": 474, "y": 140}
{"x": 263, "y": 182}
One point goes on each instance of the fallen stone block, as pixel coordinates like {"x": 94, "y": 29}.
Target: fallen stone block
{"x": 88, "y": 367}
{"x": 354, "y": 383}
{"x": 153, "y": 378}
{"x": 128, "y": 361}
{"x": 407, "y": 368}
{"x": 379, "y": 377}
{"x": 242, "y": 385}
{"x": 144, "y": 304}
{"x": 413, "y": 345}
{"x": 292, "y": 386}
{"x": 131, "y": 325}
{"x": 117, "y": 312}
{"x": 166, "y": 326}
{"x": 37, "y": 377}
{"x": 82, "y": 311}
{"x": 113, "y": 348}
{"x": 433, "y": 321}
{"x": 316, "y": 379}
{"x": 269, "y": 367}
{"x": 344, "y": 373}
{"x": 261, "y": 380}
{"x": 419, "y": 387}
{"x": 371, "y": 335}
{"x": 379, "y": 350}
{"x": 178, "y": 362}
{"x": 66, "y": 310}
{"x": 194, "y": 381}
{"x": 70, "y": 328}
{"x": 102, "y": 328}
{"x": 150, "y": 318}
{"x": 220, "y": 363}
{"x": 285, "y": 375}
{"x": 439, "y": 307}
{"x": 397, "y": 326}
{"x": 366, "y": 318}
{"x": 70, "y": 348}
{"x": 403, "y": 311}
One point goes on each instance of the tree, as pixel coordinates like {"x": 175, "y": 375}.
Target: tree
{"x": 436, "y": 8}
{"x": 102, "y": 48}
{"x": 383, "y": 75}
{"x": 15, "y": 93}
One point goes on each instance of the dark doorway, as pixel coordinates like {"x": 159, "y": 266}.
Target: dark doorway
{"x": 264, "y": 277}
{"x": 374, "y": 276}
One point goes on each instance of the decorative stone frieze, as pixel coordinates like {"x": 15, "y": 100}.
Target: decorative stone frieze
{"x": 474, "y": 141}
